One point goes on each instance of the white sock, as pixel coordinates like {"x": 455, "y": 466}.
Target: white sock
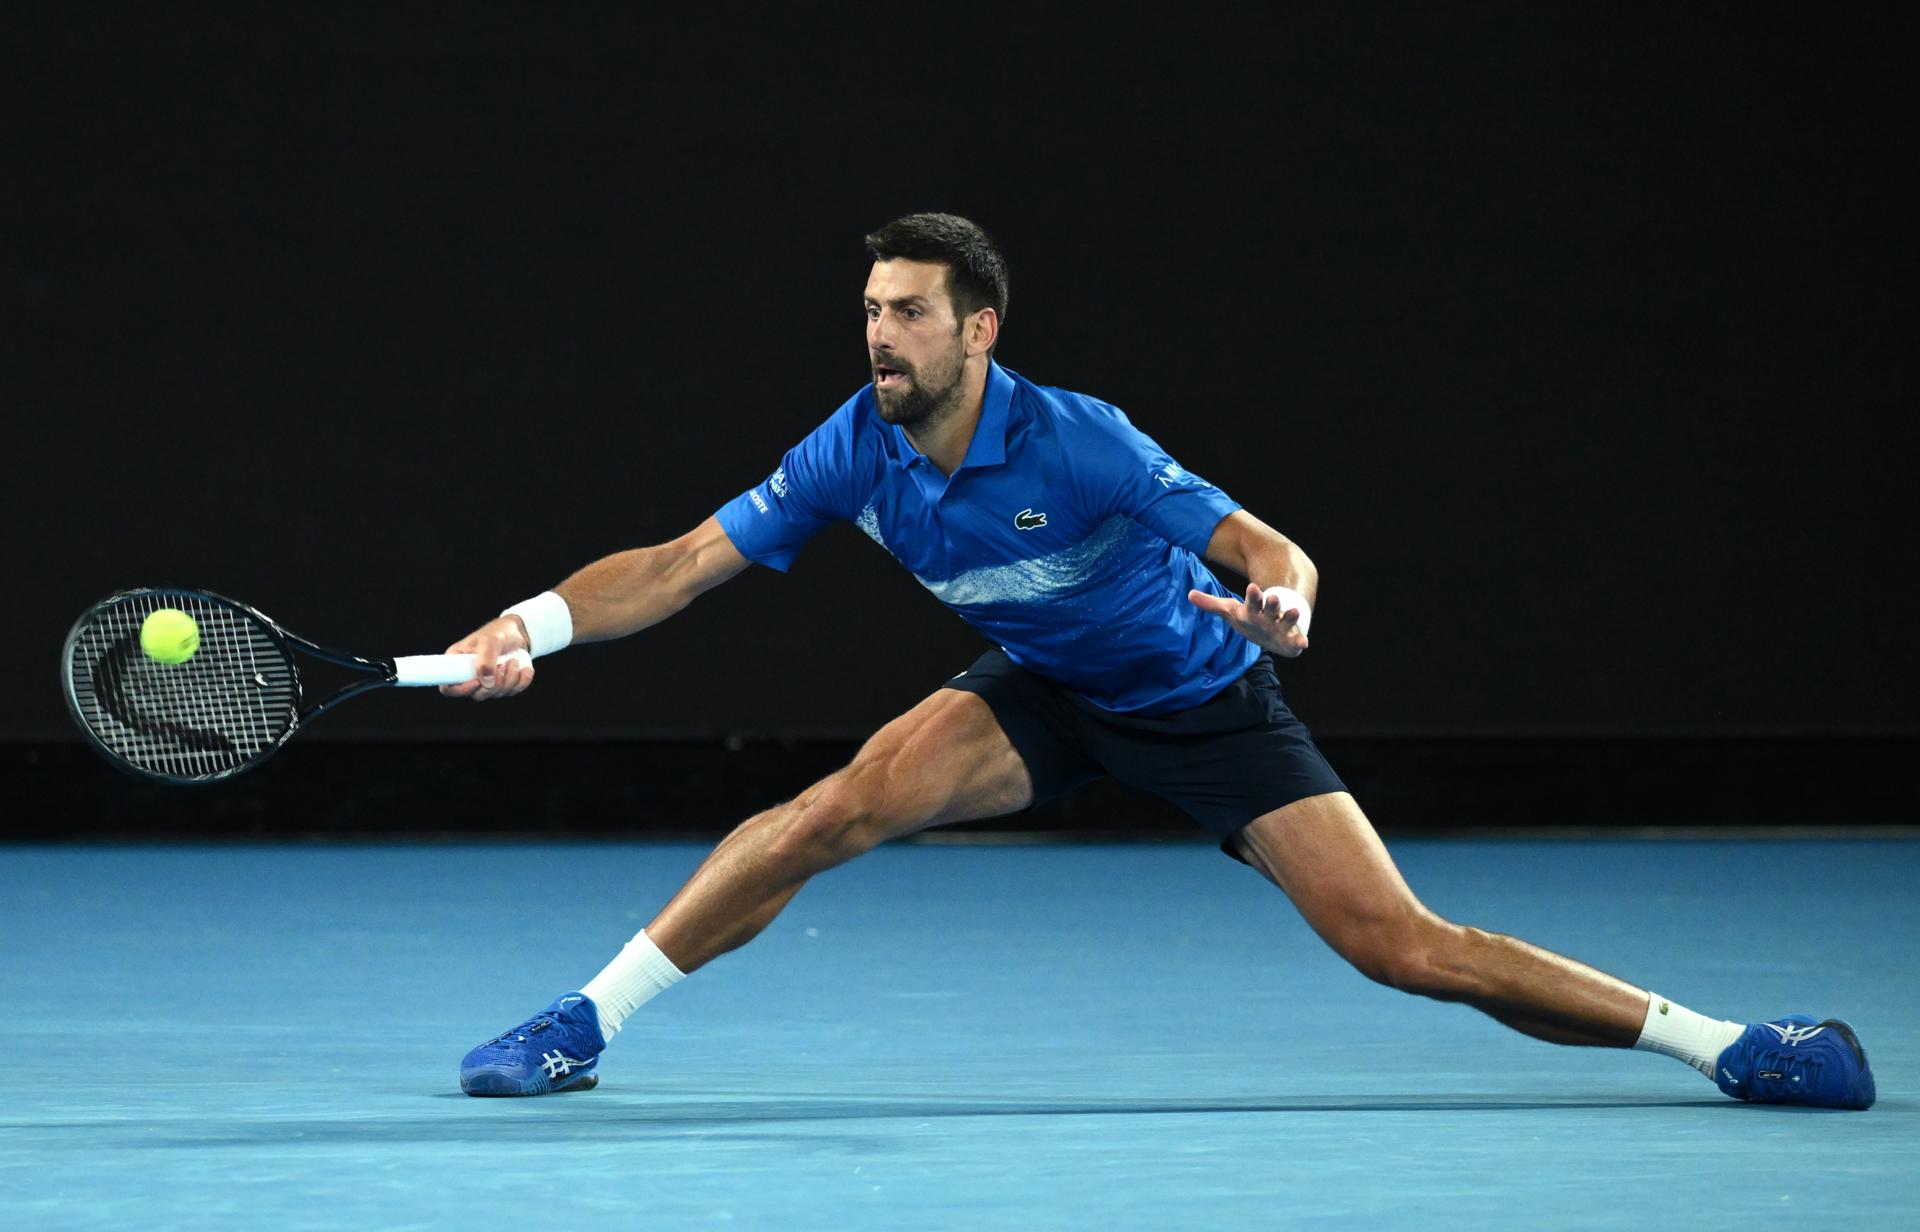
{"x": 1679, "y": 1032}
{"x": 638, "y": 974}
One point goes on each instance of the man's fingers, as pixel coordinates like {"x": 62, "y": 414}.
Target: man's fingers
{"x": 1213, "y": 603}
{"x": 496, "y": 675}
{"x": 493, "y": 669}
{"x": 505, "y": 676}
{"x": 1234, "y": 612}
{"x": 501, "y": 664}
{"x": 1271, "y": 606}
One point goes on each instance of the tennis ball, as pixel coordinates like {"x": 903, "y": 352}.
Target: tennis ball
{"x": 169, "y": 636}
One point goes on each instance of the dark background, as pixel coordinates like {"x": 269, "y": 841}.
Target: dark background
{"x": 1574, "y": 349}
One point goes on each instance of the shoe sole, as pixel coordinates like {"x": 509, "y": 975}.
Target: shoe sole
{"x": 492, "y": 1084}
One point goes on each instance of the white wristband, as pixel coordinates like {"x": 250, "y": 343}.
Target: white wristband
{"x": 1290, "y": 599}
{"x": 549, "y": 622}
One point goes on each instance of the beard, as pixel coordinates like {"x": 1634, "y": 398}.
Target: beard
{"x": 928, "y": 398}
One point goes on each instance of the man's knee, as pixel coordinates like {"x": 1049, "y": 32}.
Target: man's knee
{"x": 1423, "y": 956}
{"x": 836, "y": 819}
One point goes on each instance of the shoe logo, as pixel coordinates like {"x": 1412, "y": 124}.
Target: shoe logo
{"x": 1792, "y": 1035}
{"x": 566, "y": 1001}
{"x": 1732, "y": 1078}
{"x": 558, "y": 1064}
{"x": 1027, "y": 519}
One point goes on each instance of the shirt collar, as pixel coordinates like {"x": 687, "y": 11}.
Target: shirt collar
{"x": 989, "y": 444}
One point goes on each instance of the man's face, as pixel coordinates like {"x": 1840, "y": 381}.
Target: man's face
{"x": 914, "y": 342}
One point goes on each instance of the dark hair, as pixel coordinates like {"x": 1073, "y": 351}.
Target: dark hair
{"x": 976, "y": 272}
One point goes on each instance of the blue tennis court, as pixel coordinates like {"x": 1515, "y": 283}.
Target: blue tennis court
{"x": 936, "y": 1036}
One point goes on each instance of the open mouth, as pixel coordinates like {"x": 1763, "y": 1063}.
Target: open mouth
{"x": 884, "y": 377}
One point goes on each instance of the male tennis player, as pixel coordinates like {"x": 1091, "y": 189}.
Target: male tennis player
{"x": 1080, "y": 549}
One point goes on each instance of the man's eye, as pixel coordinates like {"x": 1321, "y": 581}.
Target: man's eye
{"x": 912, "y": 314}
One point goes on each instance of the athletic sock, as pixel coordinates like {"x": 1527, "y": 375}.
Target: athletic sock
{"x": 638, "y": 974}
{"x": 1679, "y": 1032}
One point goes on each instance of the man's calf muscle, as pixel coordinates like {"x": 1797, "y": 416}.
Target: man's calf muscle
{"x": 945, "y": 760}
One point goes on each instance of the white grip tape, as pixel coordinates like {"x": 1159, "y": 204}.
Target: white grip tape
{"x": 1290, "y": 599}
{"x": 549, "y": 622}
{"x": 416, "y": 671}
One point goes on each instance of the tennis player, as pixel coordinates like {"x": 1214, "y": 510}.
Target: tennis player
{"x": 1063, "y": 533}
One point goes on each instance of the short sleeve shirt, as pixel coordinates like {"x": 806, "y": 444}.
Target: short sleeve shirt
{"x": 1067, "y": 536}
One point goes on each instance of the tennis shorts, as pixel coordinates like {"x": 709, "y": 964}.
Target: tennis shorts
{"x": 1224, "y": 762}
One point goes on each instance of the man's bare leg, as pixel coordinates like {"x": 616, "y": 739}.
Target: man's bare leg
{"x": 1324, "y": 853}
{"x": 945, "y": 760}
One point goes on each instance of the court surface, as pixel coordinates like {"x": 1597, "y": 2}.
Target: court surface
{"x": 932, "y": 1037}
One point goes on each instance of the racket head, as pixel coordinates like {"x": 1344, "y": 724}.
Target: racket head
{"x": 221, "y": 712}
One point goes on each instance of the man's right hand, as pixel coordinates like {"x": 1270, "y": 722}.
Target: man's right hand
{"x": 492, "y": 642}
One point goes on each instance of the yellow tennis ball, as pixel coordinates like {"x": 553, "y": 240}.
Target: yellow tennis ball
{"x": 169, "y": 636}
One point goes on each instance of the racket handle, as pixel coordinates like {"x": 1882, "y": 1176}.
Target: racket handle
{"x": 414, "y": 671}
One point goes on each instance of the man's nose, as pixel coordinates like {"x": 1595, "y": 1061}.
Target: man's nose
{"x": 880, "y": 333}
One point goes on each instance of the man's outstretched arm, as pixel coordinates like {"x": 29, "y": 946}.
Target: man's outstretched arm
{"x": 1282, "y": 585}
{"x": 612, "y": 597}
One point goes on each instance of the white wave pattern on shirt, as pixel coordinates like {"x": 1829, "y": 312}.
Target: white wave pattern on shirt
{"x": 869, "y": 521}
{"x": 1037, "y": 580}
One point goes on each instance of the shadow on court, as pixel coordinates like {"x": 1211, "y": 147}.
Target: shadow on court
{"x": 485, "y": 1120}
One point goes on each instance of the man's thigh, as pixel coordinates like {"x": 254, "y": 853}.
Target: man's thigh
{"x": 1325, "y": 854}
{"x": 945, "y": 760}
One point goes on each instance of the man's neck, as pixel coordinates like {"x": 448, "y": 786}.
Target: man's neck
{"x": 947, "y": 436}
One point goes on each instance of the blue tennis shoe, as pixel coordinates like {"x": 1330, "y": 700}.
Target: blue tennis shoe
{"x": 1798, "y": 1061}
{"x": 555, "y": 1050}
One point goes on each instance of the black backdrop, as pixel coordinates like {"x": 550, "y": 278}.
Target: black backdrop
{"x": 1568, "y": 346}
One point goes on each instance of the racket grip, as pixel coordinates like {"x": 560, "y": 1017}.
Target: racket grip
{"x": 416, "y": 671}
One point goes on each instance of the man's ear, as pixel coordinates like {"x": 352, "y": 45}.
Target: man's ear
{"x": 983, "y": 330}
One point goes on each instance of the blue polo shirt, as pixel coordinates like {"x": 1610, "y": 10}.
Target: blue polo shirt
{"x": 1066, "y": 536}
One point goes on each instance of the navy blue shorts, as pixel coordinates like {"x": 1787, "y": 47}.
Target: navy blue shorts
{"x": 1224, "y": 762}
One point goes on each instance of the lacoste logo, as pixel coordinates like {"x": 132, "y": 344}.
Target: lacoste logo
{"x": 1663, "y": 1007}
{"x": 1169, "y": 476}
{"x": 1027, "y": 519}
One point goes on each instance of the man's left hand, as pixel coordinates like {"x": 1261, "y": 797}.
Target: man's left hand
{"x": 1260, "y": 619}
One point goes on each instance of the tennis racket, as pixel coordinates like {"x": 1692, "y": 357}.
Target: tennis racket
{"x": 226, "y": 709}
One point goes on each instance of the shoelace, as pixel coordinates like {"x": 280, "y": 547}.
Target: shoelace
{"x": 519, "y": 1034}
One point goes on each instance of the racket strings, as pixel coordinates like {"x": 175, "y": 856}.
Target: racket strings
{"x": 234, "y": 700}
